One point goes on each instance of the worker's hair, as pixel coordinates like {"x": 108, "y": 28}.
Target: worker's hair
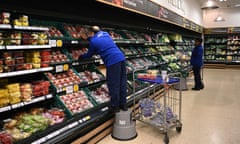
{"x": 95, "y": 29}
{"x": 199, "y": 40}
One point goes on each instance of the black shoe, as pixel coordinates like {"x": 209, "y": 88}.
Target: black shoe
{"x": 114, "y": 109}
{"x": 202, "y": 87}
{"x": 196, "y": 89}
{"x": 124, "y": 107}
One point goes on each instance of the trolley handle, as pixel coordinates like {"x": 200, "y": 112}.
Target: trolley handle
{"x": 176, "y": 73}
{"x": 140, "y": 68}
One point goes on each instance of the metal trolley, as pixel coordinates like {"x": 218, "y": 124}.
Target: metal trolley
{"x": 165, "y": 113}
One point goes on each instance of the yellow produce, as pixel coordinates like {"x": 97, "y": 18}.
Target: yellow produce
{"x": 4, "y": 102}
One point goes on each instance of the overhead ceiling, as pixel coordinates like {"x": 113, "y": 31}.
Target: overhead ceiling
{"x": 226, "y": 3}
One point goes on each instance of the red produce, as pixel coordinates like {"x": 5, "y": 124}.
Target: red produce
{"x": 5, "y": 138}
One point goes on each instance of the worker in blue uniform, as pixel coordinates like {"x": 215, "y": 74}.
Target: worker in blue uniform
{"x": 197, "y": 63}
{"x": 101, "y": 43}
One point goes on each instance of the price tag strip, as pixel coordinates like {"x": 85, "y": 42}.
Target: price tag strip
{"x": 40, "y": 141}
{"x": 5, "y": 26}
{"x": 49, "y": 96}
{"x": 23, "y": 72}
{"x": 3, "y": 109}
{"x": 18, "y": 105}
{"x": 86, "y": 118}
{"x": 72, "y": 125}
{"x": 20, "y": 47}
{"x": 31, "y": 28}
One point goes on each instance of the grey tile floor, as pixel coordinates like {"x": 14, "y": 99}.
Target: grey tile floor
{"x": 209, "y": 116}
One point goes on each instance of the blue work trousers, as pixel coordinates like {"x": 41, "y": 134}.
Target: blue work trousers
{"x": 117, "y": 83}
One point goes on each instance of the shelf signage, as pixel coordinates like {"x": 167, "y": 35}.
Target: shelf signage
{"x": 75, "y": 88}
{"x": 59, "y": 43}
{"x": 152, "y": 9}
{"x": 59, "y": 68}
{"x": 53, "y": 43}
{"x": 65, "y": 67}
{"x": 69, "y": 89}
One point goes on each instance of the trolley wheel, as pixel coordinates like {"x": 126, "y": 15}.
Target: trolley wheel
{"x": 166, "y": 139}
{"x": 179, "y": 129}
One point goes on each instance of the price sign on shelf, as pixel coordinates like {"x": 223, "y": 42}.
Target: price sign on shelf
{"x": 59, "y": 68}
{"x": 59, "y": 43}
{"x": 53, "y": 43}
{"x": 69, "y": 89}
{"x": 65, "y": 67}
{"x": 75, "y": 88}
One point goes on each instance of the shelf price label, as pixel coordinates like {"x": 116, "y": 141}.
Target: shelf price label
{"x": 75, "y": 63}
{"x": 86, "y": 118}
{"x": 59, "y": 68}
{"x": 69, "y": 89}
{"x": 49, "y": 96}
{"x": 53, "y": 43}
{"x": 75, "y": 88}
{"x": 74, "y": 42}
{"x": 65, "y": 67}
{"x": 104, "y": 109}
{"x": 59, "y": 43}
{"x": 80, "y": 121}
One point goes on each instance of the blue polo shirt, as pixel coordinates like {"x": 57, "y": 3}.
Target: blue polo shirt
{"x": 101, "y": 43}
{"x": 197, "y": 56}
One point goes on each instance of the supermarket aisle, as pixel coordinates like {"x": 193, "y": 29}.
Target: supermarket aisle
{"x": 209, "y": 116}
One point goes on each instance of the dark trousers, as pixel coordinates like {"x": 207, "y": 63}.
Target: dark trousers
{"x": 117, "y": 83}
{"x": 197, "y": 77}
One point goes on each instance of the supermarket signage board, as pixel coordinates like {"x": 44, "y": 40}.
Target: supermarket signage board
{"x": 223, "y": 30}
{"x": 154, "y": 10}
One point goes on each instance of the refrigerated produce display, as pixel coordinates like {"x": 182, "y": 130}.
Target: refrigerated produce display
{"x": 48, "y": 95}
{"x": 222, "y": 49}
